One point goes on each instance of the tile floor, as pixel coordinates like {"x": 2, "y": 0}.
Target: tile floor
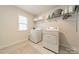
{"x": 29, "y": 47}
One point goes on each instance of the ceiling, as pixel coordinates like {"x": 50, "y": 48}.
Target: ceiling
{"x": 36, "y": 9}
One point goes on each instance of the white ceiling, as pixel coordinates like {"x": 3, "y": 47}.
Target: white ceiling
{"x": 36, "y": 9}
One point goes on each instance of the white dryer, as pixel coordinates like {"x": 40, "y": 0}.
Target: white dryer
{"x": 51, "y": 39}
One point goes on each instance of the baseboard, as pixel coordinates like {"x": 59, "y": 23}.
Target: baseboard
{"x": 11, "y": 44}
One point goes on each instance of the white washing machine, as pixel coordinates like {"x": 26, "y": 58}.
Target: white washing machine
{"x": 36, "y": 35}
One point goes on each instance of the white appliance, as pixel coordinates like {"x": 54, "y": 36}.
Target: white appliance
{"x": 51, "y": 39}
{"x": 35, "y": 35}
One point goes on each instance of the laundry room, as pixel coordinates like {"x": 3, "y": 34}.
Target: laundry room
{"x": 39, "y": 29}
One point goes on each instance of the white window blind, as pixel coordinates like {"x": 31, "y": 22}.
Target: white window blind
{"x": 23, "y": 23}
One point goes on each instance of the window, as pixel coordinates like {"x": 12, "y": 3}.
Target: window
{"x": 23, "y": 23}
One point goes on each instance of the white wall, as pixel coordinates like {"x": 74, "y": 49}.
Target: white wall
{"x": 9, "y": 32}
{"x": 68, "y": 34}
{"x": 78, "y": 33}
